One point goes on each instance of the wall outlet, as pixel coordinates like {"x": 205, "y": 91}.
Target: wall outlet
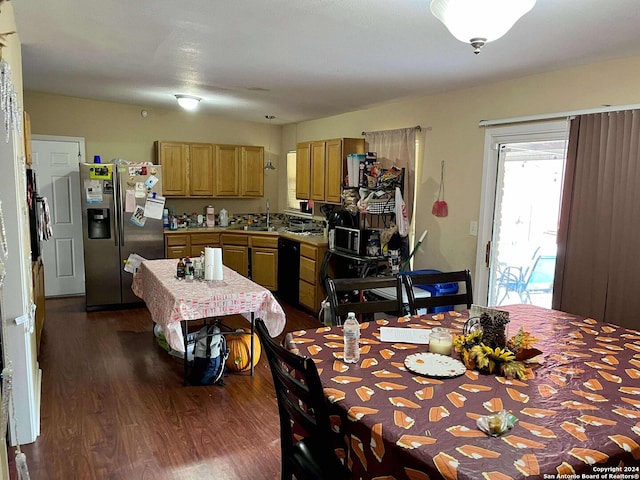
{"x": 473, "y": 228}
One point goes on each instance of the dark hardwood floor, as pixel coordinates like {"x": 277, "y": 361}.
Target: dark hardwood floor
{"x": 114, "y": 406}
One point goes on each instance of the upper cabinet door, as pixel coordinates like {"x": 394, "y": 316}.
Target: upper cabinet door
{"x": 173, "y": 158}
{"x": 201, "y": 169}
{"x": 317, "y": 170}
{"x": 303, "y": 171}
{"x": 252, "y": 172}
{"x": 227, "y": 171}
{"x": 334, "y": 171}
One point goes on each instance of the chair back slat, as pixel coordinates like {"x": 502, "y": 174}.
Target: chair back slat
{"x": 413, "y": 280}
{"x": 361, "y": 296}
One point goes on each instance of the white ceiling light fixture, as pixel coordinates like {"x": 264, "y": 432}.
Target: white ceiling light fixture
{"x": 188, "y": 102}
{"x": 269, "y": 165}
{"x": 479, "y": 21}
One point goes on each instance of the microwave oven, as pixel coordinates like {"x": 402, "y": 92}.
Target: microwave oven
{"x": 356, "y": 241}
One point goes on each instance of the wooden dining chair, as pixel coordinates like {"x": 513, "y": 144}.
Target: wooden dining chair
{"x": 310, "y": 455}
{"x": 365, "y": 297}
{"x": 415, "y": 280}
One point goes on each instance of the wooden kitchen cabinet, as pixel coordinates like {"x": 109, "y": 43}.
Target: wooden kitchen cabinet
{"x": 239, "y": 171}
{"x": 252, "y": 172}
{"x": 303, "y": 171}
{"x": 173, "y": 158}
{"x": 176, "y": 246}
{"x": 318, "y": 171}
{"x": 235, "y": 252}
{"x": 321, "y": 167}
{"x": 254, "y": 256}
{"x": 227, "y": 171}
{"x": 200, "y": 162}
{"x": 312, "y": 291}
{"x": 208, "y": 170}
{"x": 37, "y": 272}
{"x": 264, "y": 261}
{"x": 334, "y": 170}
{"x": 198, "y": 242}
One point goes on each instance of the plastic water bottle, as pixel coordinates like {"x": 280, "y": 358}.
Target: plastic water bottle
{"x": 351, "y": 332}
{"x": 165, "y": 218}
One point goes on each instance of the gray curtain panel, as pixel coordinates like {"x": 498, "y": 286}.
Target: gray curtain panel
{"x": 598, "y": 263}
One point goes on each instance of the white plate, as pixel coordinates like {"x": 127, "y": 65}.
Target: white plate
{"x": 434, "y": 365}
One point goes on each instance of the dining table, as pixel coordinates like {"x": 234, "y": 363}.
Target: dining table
{"x": 575, "y": 414}
{"x": 173, "y": 302}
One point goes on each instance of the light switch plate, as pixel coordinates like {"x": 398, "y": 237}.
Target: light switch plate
{"x": 473, "y": 228}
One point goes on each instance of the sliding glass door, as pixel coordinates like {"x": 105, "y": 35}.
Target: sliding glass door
{"x": 523, "y": 172}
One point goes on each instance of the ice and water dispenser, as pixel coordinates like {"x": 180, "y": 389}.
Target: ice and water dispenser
{"x": 98, "y": 223}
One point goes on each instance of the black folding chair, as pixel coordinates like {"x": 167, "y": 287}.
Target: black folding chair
{"x": 364, "y": 296}
{"x": 301, "y": 401}
{"x": 462, "y": 278}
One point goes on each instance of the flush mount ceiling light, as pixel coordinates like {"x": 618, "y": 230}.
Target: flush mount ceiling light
{"x": 188, "y": 102}
{"x": 269, "y": 165}
{"x": 479, "y": 21}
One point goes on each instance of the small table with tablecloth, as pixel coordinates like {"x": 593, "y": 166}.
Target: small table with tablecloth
{"x": 578, "y": 410}
{"x": 173, "y": 302}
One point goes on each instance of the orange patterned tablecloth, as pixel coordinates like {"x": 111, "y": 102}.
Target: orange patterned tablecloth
{"x": 578, "y": 412}
{"x": 171, "y": 301}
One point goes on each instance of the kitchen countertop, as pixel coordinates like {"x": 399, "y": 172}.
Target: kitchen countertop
{"x": 317, "y": 240}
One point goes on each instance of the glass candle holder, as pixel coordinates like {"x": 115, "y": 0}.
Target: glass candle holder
{"x": 440, "y": 341}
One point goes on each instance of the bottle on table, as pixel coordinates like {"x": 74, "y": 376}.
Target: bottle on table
{"x": 351, "y": 332}
{"x": 188, "y": 269}
{"x": 180, "y": 271}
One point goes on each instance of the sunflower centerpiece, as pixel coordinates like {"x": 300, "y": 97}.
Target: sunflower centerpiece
{"x": 483, "y": 346}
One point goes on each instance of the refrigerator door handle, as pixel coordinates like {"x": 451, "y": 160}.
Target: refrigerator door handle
{"x": 119, "y": 208}
{"x": 116, "y": 217}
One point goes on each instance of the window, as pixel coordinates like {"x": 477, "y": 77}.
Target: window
{"x": 292, "y": 201}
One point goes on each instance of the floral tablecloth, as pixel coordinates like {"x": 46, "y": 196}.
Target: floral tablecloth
{"x": 171, "y": 301}
{"x": 578, "y": 411}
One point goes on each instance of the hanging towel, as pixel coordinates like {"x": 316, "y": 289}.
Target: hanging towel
{"x": 440, "y": 207}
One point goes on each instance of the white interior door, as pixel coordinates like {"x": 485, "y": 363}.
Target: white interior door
{"x": 55, "y": 162}
{"x": 522, "y": 185}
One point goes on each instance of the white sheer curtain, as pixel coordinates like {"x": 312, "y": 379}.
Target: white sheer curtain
{"x": 397, "y": 147}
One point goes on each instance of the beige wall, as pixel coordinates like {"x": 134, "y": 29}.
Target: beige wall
{"x": 114, "y": 130}
{"x": 451, "y": 132}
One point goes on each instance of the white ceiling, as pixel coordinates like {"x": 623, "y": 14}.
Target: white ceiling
{"x": 296, "y": 59}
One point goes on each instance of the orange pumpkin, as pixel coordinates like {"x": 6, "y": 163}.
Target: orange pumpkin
{"x": 239, "y": 344}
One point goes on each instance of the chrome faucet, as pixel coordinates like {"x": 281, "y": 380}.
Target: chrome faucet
{"x": 268, "y": 208}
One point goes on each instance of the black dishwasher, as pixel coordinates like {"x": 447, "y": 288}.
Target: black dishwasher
{"x": 288, "y": 270}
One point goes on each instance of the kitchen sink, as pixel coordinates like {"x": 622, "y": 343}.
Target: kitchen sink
{"x": 260, "y": 228}
{"x": 254, "y": 228}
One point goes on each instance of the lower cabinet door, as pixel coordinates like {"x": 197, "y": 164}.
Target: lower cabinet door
{"x": 308, "y": 295}
{"x": 264, "y": 267}
{"x": 177, "y": 251}
{"x": 236, "y": 258}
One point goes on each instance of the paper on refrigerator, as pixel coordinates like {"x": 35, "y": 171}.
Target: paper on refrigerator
{"x": 154, "y": 206}
{"x": 93, "y": 191}
{"x": 132, "y": 263}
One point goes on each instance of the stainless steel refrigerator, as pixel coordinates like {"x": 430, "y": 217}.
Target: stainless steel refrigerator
{"x": 120, "y": 205}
